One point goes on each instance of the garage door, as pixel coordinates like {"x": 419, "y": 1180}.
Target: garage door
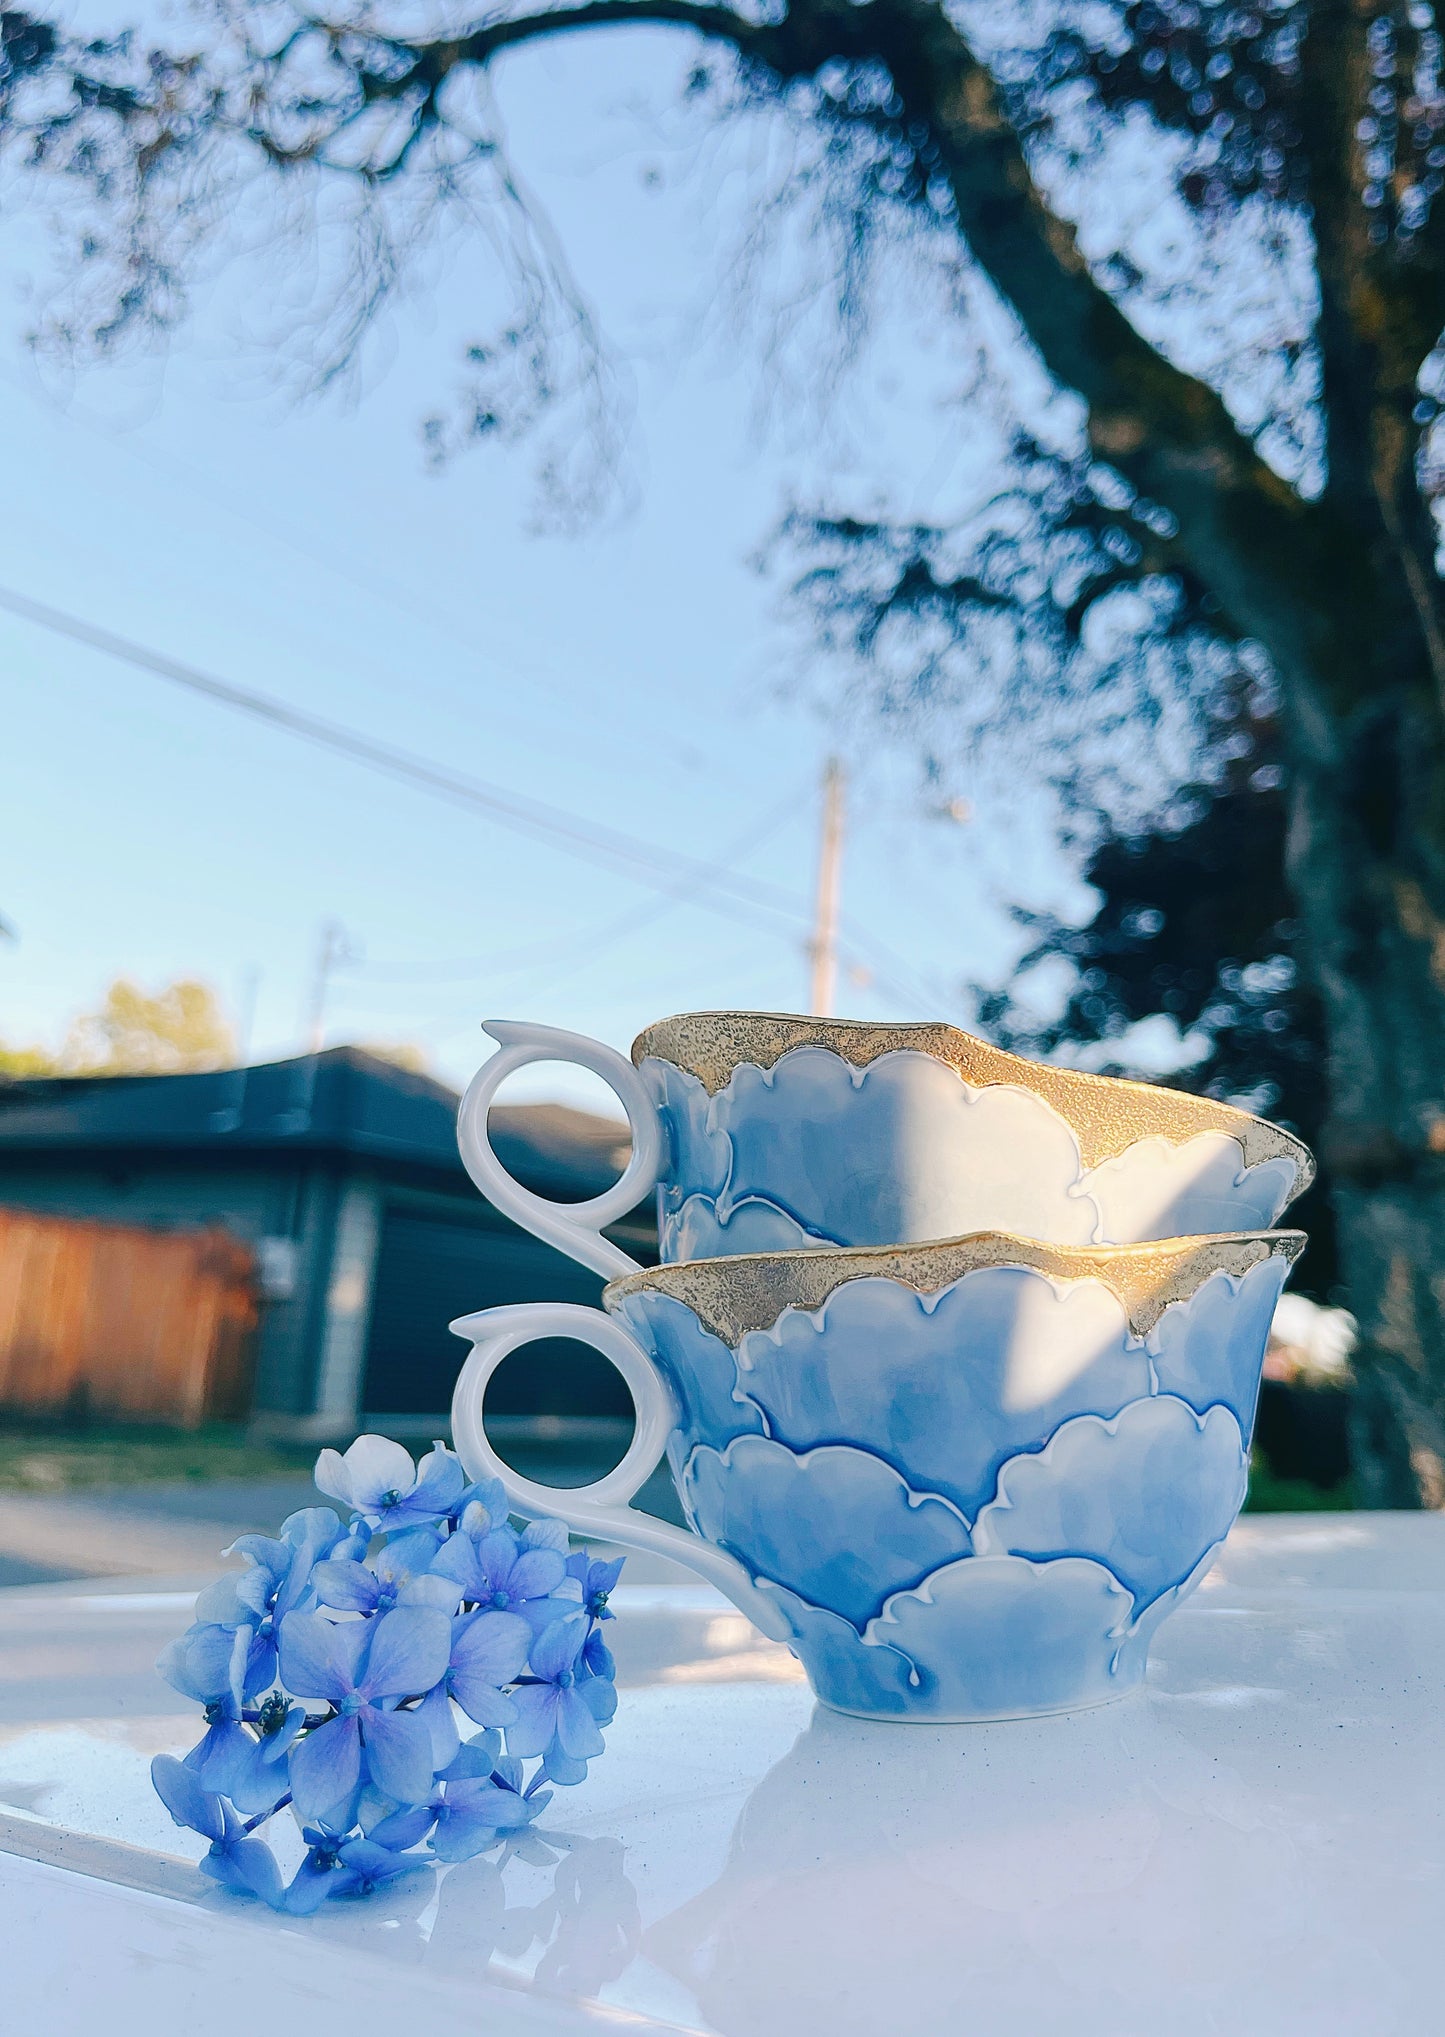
{"x": 431, "y": 1269}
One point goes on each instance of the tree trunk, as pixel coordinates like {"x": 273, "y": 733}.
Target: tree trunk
{"x": 1366, "y": 816}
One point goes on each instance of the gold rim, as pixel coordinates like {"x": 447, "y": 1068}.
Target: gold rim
{"x": 1106, "y": 1113}
{"x": 731, "y": 1297}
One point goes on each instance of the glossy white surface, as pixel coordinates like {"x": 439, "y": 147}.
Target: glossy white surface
{"x": 1252, "y": 1843}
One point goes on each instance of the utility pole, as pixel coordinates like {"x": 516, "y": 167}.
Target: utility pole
{"x": 333, "y": 949}
{"x": 823, "y": 947}
{"x": 246, "y": 1014}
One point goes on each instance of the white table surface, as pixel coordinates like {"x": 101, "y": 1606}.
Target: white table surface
{"x": 1255, "y": 1843}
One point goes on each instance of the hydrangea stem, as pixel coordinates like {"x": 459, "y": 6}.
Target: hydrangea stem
{"x": 261, "y": 1816}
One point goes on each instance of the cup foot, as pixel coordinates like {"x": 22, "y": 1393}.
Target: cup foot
{"x": 1093, "y": 1702}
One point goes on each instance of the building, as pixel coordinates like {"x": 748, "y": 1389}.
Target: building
{"x": 340, "y": 1172}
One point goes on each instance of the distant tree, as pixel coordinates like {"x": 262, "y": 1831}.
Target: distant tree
{"x": 175, "y": 1031}
{"x": 1211, "y": 238}
{"x": 19, "y": 1062}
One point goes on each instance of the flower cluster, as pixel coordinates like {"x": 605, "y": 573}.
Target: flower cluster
{"x": 332, "y": 1669}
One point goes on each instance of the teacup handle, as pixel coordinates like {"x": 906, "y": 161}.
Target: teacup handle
{"x": 600, "y": 1509}
{"x": 574, "y": 1227}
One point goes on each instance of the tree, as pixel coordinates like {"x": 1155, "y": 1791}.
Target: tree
{"x": 19, "y": 1063}
{"x": 1270, "y": 481}
{"x": 177, "y": 1031}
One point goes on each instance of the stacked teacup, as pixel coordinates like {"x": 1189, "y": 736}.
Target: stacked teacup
{"x": 954, "y": 1356}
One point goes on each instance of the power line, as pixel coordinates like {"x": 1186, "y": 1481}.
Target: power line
{"x": 649, "y": 863}
{"x": 580, "y": 943}
{"x": 710, "y": 885}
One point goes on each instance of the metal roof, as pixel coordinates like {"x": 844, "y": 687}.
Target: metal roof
{"x": 342, "y": 1101}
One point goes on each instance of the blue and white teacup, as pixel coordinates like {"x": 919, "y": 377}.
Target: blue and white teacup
{"x": 764, "y": 1133}
{"x": 962, "y": 1480}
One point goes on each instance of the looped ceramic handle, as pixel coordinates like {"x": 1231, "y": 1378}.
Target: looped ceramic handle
{"x": 573, "y": 1227}
{"x": 600, "y": 1509}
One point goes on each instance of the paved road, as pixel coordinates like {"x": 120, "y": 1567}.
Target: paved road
{"x": 179, "y": 1530}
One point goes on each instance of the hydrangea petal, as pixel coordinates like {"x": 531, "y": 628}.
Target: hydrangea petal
{"x": 444, "y": 1594}
{"x": 535, "y": 1573}
{"x": 475, "y": 1814}
{"x": 410, "y": 1648}
{"x": 321, "y": 1658}
{"x": 198, "y": 1662}
{"x": 436, "y": 1709}
{"x": 406, "y": 1827}
{"x": 372, "y": 1865}
{"x": 489, "y": 1651}
{"x": 535, "y": 1724}
{"x": 560, "y": 1767}
{"x": 220, "y": 1604}
{"x": 439, "y": 1483}
{"x": 398, "y": 1753}
{"x": 373, "y": 1467}
{"x": 599, "y": 1694}
{"x": 313, "y": 1882}
{"x": 407, "y": 1554}
{"x": 247, "y": 1865}
{"x": 555, "y": 1651}
{"x": 479, "y": 1756}
{"x": 184, "y": 1795}
{"x": 349, "y": 1587}
{"x": 457, "y": 1559}
{"x": 489, "y": 1497}
{"x": 578, "y": 1733}
{"x": 325, "y": 1767}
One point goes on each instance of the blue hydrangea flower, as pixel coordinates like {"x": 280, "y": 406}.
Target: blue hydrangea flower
{"x": 443, "y": 1608}
{"x": 562, "y": 1706}
{"x": 245, "y": 1864}
{"x": 185, "y": 1796}
{"x": 219, "y": 1666}
{"x": 377, "y": 1479}
{"x": 475, "y": 1811}
{"x": 277, "y": 1581}
{"x": 598, "y": 1580}
{"x": 398, "y": 1575}
{"x": 597, "y": 1659}
{"x": 249, "y": 1768}
{"x": 357, "y": 1666}
{"x": 502, "y": 1572}
{"x": 235, "y": 1859}
{"x": 487, "y": 1651}
{"x": 336, "y": 1865}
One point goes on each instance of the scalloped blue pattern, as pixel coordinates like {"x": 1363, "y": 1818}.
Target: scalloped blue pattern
{"x": 974, "y": 1504}
{"x": 1143, "y": 1494}
{"x": 946, "y": 1386}
{"x": 814, "y": 1151}
{"x": 836, "y": 1525}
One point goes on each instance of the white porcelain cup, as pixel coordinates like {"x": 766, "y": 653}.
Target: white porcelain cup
{"x": 763, "y": 1132}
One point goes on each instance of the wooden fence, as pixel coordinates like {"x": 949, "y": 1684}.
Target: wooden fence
{"x": 126, "y": 1324}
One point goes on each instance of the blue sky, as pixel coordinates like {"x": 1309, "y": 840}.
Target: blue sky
{"x": 642, "y": 675}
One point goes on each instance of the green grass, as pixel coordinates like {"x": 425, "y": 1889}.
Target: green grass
{"x": 67, "y": 1460}
{"x": 1271, "y": 1495}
